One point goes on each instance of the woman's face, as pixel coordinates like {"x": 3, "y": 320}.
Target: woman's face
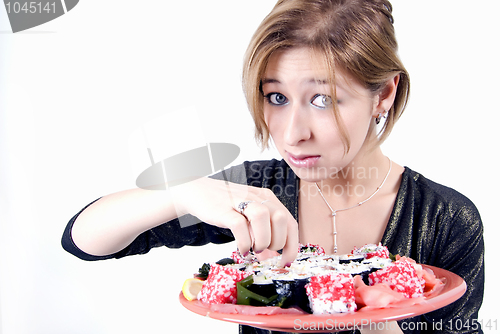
{"x": 298, "y": 113}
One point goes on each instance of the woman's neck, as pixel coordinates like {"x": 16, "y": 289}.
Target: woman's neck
{"x": 355, "y": 182}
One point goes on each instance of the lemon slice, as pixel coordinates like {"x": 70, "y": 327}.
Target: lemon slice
{"x": 191, "y": 288}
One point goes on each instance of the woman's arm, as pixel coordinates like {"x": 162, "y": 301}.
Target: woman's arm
{"x": 114, "y": 221}
{"x": 463, "y": 253}
{"x": 111, "y": 223}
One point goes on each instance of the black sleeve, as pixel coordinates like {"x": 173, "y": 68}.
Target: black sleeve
{"x": 438, "y": 226}
{"x": 455, "y": 243}
{"x": 170, "y": 234}
{"x": 464, "y": 256}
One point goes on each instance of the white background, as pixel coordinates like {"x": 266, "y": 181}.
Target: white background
{"x": 74, "y": 90}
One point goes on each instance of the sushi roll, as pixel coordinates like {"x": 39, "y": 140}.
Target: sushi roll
{"x": 372, "y": 250}
{"x": 376, "y": 263}
{"x": 220, "y": 285}
{"x": 289, "y": 285}
{"x": 293, "y": 293}
{"x": 239, "y": 259}
{"x": 346, "y": 258}
{"x": 402, "y": 277}
{"x": 356, "y": 268}
{"x": 331, "y": 293}
{"x": 309, "y": 250}
{"x": 314, "y": 282}
{"x": 262, "y": 285}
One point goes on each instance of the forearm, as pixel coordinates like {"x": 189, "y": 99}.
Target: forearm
{"x": 114, "y": 221}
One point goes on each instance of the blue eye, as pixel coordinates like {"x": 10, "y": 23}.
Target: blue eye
{"x": 276, "y": 99}
{"x": 321, "y": 101}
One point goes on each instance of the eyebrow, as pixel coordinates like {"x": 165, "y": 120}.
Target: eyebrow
{"x": 271, "y": 80}
{"x": 267, "y": 80}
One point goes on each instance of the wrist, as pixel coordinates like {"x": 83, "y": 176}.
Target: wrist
{"x": 182, "y": 196}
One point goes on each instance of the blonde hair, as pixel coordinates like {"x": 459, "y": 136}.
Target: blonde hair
{"x": 355, "y": 36}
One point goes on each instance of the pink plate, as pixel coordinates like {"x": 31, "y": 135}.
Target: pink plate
{"x": 454, "y": 287}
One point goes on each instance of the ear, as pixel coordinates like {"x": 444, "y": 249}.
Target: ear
{"x": 385, "y": 98}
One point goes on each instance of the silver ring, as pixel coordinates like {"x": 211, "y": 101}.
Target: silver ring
{"x": 267, "y": 200}
{"x": 242, "y": 206}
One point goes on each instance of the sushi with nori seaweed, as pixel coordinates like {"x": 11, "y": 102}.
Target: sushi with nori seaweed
{"x": 262, "y": 286}
{"x": 293, "y": 292}
{"x": 351, "y": 258}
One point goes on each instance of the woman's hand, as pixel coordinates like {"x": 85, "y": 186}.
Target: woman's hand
{"x": 263, "y": 224}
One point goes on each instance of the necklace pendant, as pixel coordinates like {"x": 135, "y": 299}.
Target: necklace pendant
{"x": 334, "y": 212}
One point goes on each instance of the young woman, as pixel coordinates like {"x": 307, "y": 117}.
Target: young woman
{"x": 323, "y": 80}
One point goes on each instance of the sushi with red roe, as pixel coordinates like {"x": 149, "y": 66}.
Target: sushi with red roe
{"x": 331, "y": 293}
{"x": 402, "y": 277}
{"x": 220, "y": 285}
{"x": 372, "y": 250}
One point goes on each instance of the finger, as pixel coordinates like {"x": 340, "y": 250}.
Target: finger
{"x": 292, "y": 244}
{"x": 260, "y": 225}
{"x": 238, "y": 225}
{"x": 279, "y": 228}
{"x": 266, "y": 254}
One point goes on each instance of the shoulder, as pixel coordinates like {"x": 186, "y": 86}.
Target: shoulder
{"x": 435, "y": 196}
{"x": 436, "y": 224}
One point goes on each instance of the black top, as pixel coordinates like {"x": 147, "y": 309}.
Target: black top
{"x": 430, "y": 223}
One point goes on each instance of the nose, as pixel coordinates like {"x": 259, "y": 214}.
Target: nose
{"x": 297, "y": 128}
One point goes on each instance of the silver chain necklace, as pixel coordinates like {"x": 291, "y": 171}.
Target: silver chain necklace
{"x": 334, "y": 212}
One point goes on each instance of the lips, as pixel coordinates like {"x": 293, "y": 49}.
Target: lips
{"x": 302, "y": 161}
